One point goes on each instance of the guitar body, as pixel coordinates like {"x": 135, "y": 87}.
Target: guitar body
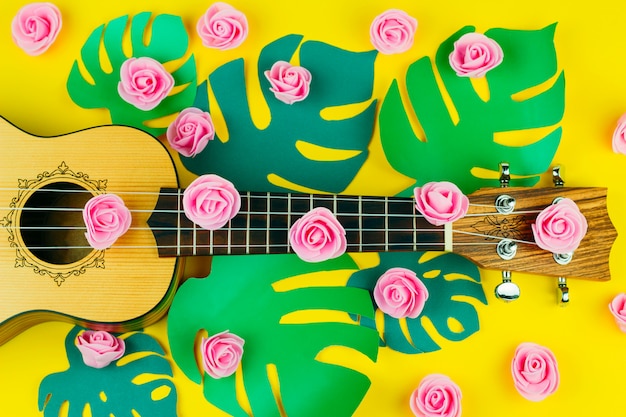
{"x": 124, "y": 287}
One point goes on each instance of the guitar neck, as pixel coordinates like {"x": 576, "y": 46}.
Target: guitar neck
{"x": 372, "y": 224}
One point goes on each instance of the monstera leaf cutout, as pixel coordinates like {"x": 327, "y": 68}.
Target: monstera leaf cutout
{"x": 447, "y": 277}
{"x": 244, "y": 295}
{"x": 457, "y": 150}
{"x": 255, "y": 158}
{"x": 167, "y": 44}
{"x": 137, "y": 384}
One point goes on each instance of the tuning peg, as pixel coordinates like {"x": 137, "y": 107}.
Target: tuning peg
{"x": 507, "y": 290}
{"x": 556, "y": 177}
{"x": 562, "y": 293}
{"x": 505, "y": 174}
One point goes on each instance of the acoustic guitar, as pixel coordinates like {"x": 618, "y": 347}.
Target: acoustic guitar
{"x": 49, "y": 272}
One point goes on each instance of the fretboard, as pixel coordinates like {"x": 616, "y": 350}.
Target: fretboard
{"x": 372, "y": 224}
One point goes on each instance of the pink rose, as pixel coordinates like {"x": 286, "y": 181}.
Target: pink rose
{"x": 560, "y": 227}
{"x": 222, "y": 27}
{"x": 221, "y": 354}
{"x": 210, "y": 201}
{"x": 190, "y": 132}
{"x": 393, "y": 31}
{"x": 317, "y": 236}
{"x": 400, "y": 293}
{"x": 106, "y": 218}
{"x": 436, "y": 396}
{"x": 35, "y": 27}
{"x": 440, "y": 202}
{"x": 99, "y": 348}
{"x": 618, "y": 309}
{"x": 144, "y": 82}
{"x": 289, "y": 83}
{"x": 535, "y": 371}
{"x": 474, "y": 54}
{"x": 619, "y": 136}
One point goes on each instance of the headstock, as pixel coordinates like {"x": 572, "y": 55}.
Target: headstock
{"x": 483, "y": 227}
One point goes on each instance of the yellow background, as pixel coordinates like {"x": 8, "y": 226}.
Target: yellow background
{"x": 590, "y": 47}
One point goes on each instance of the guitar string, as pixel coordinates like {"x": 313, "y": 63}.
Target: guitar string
{"x": 286, "y": 245}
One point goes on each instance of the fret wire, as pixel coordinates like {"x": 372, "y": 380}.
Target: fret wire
{"x": 360, "y": 223}
{"x": 267, "y": 233}
{"x": 414, "y": 231}
{"x": 288, "y": 219}
{"x": 178, "y": 222}
{"x": 228, "y": 238}
{"x": 248, "y": 224}
{"x": 195, "y": 238}
{"x": 386, "y": 224}
{"x": 211, "y": 246}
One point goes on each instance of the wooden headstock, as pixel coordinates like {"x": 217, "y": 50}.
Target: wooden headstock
{"x": 480, "y": 230}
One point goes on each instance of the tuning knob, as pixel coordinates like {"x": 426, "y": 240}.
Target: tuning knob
{"x": 562, "y": 293}
{"x": 507, "y": 290}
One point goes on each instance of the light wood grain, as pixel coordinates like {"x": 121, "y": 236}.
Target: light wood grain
{"x": 124, "y": 287}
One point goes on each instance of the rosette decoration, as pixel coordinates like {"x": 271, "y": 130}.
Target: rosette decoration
{"x": 289, "y": 83}
{"x": 474, "y": 55}
{"x": 222, "y": 27}
{"x": 99, "y": 348}
{"x": 190, "y": 132}
{"x": 144, "y": 82}
{"x": 36, "y": 27}
{"x": 440, "y": 202}
{"x": 560, "y": 227}
{"x": 400, "y": 293}
{"x": 617, "y": 307}
{"x": 211, "y": 201}
{"x": 393, "y": 32}
{"x": 106, "y": 218}
{"x": 318, "y": 236}
{"x": 535, "y": 371}
{"x": 436, "y": 396}
{"x": 221, "y": 354}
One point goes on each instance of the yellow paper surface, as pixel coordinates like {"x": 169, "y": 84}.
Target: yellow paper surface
{"x": 589, "y": 41}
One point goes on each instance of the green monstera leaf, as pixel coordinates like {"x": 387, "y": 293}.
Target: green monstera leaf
{"x": 253, "y": 158}
{"x": 247, "y": 296}
{"x": 447, "y": 277}
{"x": 461, "y": 142}
{"x": 167, "y": 43}
{"x": 137, "y": 384}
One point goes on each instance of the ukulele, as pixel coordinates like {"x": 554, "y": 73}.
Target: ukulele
{"x": 49, "y": 272}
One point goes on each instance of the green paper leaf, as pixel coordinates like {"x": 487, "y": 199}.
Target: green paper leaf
{"x": 252, "y": 154}
{"x": 451, "y": 151}
{"x": 168, "y": 41}
{"x": 120, "y": 388}
{"x": 447, "y": 277}
{"x": 239, "y": 296}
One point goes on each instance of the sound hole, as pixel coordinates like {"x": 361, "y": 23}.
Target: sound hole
{"x": 52, "y": 225}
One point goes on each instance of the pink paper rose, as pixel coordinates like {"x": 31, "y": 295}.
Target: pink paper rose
{"x": 35, "y": 27}
{"x": 318, "y": 236}
{"x": 400, "y": 293}
{"x": 393, "y": 31}
{"x": 144, "y": 82}
{"x": 221, "y": 354}
{"x": 441, "y": 202}
{"x": 474, "y": 54}
{"x": 436, "y": 396}
{"x": 222, "y": 27}
{"x": 106, "y": 218}
{"x": 535, "y": 371}
{"x": 289, "y": 83}
{"x": 619, "y": 136}
{"x": 618, "y": 309}
{"x": 211, "y": 201}
{"x": 99, "y": 348}
{"x": 560, "y": 227}
{"x": 190, "y": 132}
